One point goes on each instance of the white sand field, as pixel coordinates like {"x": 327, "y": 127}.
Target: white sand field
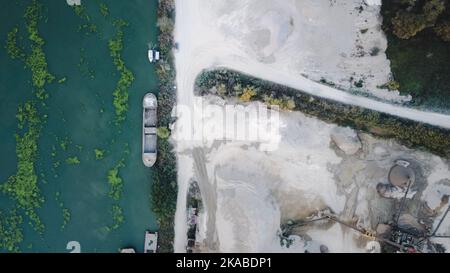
{"x": 249, "y": 191}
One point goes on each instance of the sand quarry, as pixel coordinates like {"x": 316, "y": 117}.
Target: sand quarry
{"x": 248, "y": 188}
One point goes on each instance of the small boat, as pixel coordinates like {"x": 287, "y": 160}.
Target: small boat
{"x": 127, "y": 250}
{"x": 149, "y": 137}
{"x": 151, "y": 242}
{"x": 153, "y": 55}
{"x": 150, "y": 55}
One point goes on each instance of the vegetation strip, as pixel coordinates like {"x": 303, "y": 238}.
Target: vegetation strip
{"x": 410, "y": 133}
{"x": 164, "y": 181}
{"x": 120, "y": 94}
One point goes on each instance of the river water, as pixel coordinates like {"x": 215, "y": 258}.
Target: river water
{"x": 81, "y": 115}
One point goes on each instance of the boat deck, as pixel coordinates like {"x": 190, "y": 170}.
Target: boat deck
{"x": 150, "y": 118}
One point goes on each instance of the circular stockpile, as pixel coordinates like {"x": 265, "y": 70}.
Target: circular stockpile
{"x": 400, "y": 176}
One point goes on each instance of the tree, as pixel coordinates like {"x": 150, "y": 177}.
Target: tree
{"x": 432, "y": 9}
{"x": 163, "y": 132}
{"x": 443, "y": 31}
{"x": 247, "y": 93}
{"x": 407, "y": 25}
{"x": 165, "y": 24}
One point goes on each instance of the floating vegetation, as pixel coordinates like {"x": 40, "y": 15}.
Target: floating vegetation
{"x": 65, "y": 211}
{"x": 66, "y": 218}
{"x": 36, "y": 60}
{"x": 64, "y": 143}
{"x": 104, "y": 10}
{"x": 56, "y": 164}
{"x": 86, "y": 25}
{"x": 73, "y": 160}
{"x": 13, "y": 50}
{"x": 23, "y": 186}
{"x": 117, "y": 216}
{"x": 99, "y": 154}
{"x": 84, "y": 67}
{"x": 115, "y": 181}
{"x": 120, "y": 94}
{"x": 11, "y": 234}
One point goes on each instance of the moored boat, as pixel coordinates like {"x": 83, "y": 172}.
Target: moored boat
{"x": 149, "y": 137}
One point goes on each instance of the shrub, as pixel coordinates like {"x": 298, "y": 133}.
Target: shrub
{"x": 163, "y": 132}
{"x": 443, "y": 31}
{"x": 247, "y": 93}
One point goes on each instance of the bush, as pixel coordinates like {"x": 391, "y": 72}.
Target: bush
{"x": 163, "y": 132}
{"x": 407, "y": 25}
{"x": 247, "y": 93}
{"x": 411, "y": 20}
{"x": 443, "y": 31}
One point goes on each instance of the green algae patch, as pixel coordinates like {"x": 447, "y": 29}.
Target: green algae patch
{"x": 12, "y": 48}
{"x": 66, "y": 218}
{"x": 115, "y": 182}
{"x": 36, "y": 61}
{"x": 10, "y": 231}
{"x": 99, "y": 154}
{"x": 120, "y": 93}
{"x": 104, "y": 10}
{"x": 117, "y": 216}
{"x": 23, "y": 186}
{"x": 73, "y": 160}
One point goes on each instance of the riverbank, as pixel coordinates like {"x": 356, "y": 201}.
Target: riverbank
{"x": 164, "y": 186}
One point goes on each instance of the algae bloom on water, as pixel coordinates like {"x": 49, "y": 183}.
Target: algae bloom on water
{"x": 73, "y": 160}
{"x": 99, "y": 154}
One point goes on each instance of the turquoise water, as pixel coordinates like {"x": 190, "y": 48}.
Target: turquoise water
{"x": 80, "y": 110}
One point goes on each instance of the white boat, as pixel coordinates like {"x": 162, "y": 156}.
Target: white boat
{"x": 149, "y": 137}
{"x": 153, "y": 55}
{"x": 150, "y": 55}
